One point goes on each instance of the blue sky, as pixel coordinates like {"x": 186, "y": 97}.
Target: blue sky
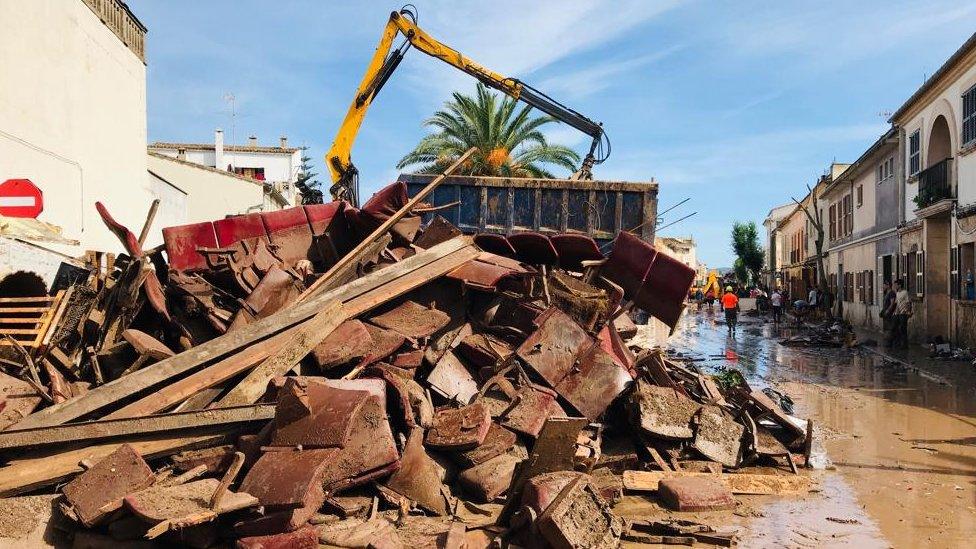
{"x": 736, "y": 105}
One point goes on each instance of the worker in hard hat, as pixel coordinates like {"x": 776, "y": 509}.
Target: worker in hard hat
{"x": 730, "y": 303}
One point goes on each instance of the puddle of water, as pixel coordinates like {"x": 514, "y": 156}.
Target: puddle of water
{"x": 903, "y": 441}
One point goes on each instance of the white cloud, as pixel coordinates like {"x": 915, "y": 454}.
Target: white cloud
{"x": 584, "y": 82}
{"x": 824, "y": 36}
{"x": 515, "y": 38}
{"x": 741, "y": 159}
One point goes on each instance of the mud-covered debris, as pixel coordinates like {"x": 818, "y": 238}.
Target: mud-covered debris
{"x": 695, "y": 494}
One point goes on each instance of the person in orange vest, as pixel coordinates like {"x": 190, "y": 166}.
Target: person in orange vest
{"x": 730, "y": 303}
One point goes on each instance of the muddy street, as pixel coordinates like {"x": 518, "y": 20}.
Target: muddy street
{"x": 896, "y": 443}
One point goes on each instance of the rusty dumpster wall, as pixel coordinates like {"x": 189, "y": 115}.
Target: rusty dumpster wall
{"x": 507, "y": 205}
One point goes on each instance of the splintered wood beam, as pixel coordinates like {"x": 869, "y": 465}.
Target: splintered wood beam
{"x": 738, "y": 483}
{"x": 367, "y": 292}
{"x": 310, "y": 334}
{"x": 355, "y": 255}
{"x": 90, "y": 431}
{"x": 54, "y": 465}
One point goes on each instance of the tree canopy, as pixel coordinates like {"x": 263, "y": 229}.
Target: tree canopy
{"x": 749, "y": 254}
{"x": 509, "y": 140}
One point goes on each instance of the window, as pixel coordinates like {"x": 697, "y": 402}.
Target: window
{"x": 849, "y": 287}
{"x": 885, "y": 170}
{"x": 920, "y": 274}
{"x": 914, "y": 273}
{"x": 969, "y": 116}
{"x": 914, "y": 153}
{"x": 954, "y": 291}
{"x": 869, "y": 282}
{"x": 860, "y": 195}
{"x": 833, "y": 221}
{"x": 963, "y": 283}
{"x": 253, "y": 173}
{"x": 845, "y": 224}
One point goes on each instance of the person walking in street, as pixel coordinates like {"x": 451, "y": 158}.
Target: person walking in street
{"x": 699, "y": 298}
{"x": 730, "y": 303}
{"x": 888, "y": 298}
{"x": 813, "y": 300}
{"x": 776, "y": 301}
{"x": 901, "y": 310}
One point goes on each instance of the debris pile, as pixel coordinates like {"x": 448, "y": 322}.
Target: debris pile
{"x": 357, "y": 377}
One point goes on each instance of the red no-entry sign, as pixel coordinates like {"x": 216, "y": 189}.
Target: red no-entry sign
{"x": 20, "y": 198}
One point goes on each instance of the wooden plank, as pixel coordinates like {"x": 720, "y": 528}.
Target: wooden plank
{"x": 349, "y": 272}
{"x": 24, "y": 475}
{"x": 225, "y": 344}
{"x": 738, "y": 483}
{"x": 311, "y": 333}
{"x": 33, "y": 299}
{"x": 251, "y": 356}
{"x": 230, "y": 343}
{"x": 140, "y": 426}
{"x": 23, "y": 310}
{"x": 354, "y": 256}
{"x": 17, "y": 331}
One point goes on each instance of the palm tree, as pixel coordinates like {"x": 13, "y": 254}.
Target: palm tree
{"x": 509, "y": 142}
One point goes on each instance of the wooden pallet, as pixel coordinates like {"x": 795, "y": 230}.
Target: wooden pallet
{"x": 30, "y": 320}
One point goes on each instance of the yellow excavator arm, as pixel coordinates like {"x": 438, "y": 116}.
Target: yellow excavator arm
{"x": 385, "y": 61}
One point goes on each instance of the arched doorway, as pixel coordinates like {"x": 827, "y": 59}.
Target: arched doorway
{"x": 940, "y": 142}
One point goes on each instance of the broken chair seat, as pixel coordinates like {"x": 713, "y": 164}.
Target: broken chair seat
{"x": 182, "y": 242}
{"x": 655, "y": 282}
{"x": 574, "y": 249}
{"x": 534, "y": 248}
{"x": 383, "y": 205}
{"x": 493, "y": 272}
{"x": 231, "y": 230}
{"x": 459, "y": 428}
{"x": 290, "y": 233}
{"x": 494, "y": 244}
{"x": 412, "y": 319}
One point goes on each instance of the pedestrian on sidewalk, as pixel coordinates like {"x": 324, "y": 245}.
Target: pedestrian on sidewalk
{"x": 901, "y": 312}
{"x": 888, "y": 299}
{"x": 730, "y": 303}
{"x": 776, "y": 300}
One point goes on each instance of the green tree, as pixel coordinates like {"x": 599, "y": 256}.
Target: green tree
{"x": 749, "y": 254}
{"x": 508, "y": 139}
{"x": 306, "y": 183}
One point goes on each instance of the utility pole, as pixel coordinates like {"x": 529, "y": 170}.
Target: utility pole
{"x": 229, "y": 97}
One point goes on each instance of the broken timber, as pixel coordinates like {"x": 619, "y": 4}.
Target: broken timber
{"x": 738, "y": 483}
{"x": 353, "y": 256}
{"x": 94, "y": 430}
{"x": 357, "y": 297}
{"x": 26, "y": 474}
{"x": 310, "y": 334}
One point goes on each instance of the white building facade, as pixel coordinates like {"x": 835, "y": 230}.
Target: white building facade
{"x": 73, "y": 112}
{"x": 278, "y": 165}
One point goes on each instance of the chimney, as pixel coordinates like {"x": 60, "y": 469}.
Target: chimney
{"x": 219, "y": 149}
{"x": 284, "y": 142}
{"x": 252, "y": 141}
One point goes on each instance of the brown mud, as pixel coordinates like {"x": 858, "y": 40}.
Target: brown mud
{"x": 896, "y": 444}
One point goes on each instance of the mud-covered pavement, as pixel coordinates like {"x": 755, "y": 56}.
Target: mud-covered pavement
{"x": 897, "y": 444}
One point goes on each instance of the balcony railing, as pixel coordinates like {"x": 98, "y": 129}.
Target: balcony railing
{"x": 935, "y": 184}
{"x": 116, "y": 16}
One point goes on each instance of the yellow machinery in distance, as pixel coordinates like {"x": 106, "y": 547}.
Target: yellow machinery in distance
{"x": 384, "y": 62}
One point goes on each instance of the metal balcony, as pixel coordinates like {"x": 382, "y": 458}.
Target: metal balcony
{"x": 935, "y": 184}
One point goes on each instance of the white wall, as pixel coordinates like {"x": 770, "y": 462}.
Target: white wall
{"x": 210, "y": 194}
{"x": 172, "y": 208}
{"x": 73, "y": 117}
